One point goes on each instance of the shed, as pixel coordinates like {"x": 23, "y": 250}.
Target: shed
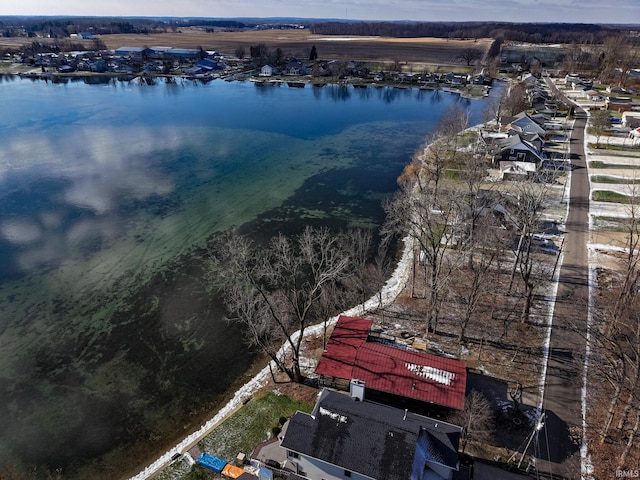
{"x": 410, "y": 374}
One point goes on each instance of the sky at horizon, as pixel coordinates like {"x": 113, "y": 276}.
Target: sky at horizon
{"x": 565, "y": 11}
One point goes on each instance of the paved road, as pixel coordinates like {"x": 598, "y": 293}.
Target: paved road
{"x": 562, "y": 397}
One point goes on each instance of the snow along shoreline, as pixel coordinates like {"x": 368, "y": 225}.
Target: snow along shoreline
{"x": 390, "y": 292}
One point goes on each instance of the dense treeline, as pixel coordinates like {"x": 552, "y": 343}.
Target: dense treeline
{"x": 518, "y": 32}
{"x": 63, "y": 27}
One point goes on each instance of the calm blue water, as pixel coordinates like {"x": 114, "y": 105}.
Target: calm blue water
{"x": 111, "y": 345}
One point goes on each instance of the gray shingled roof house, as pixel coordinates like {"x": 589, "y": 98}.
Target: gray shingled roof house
{"x": 523, "y": 121}
{"x": 347, "y": 438}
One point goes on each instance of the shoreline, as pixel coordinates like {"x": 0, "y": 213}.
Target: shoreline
{"x": 390, "y": 291}
{"x": 465, "y": 91}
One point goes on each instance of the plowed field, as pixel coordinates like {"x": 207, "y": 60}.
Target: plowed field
{"x": 299, "y": 42}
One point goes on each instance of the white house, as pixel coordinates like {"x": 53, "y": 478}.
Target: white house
{"x": 266, "y": 71}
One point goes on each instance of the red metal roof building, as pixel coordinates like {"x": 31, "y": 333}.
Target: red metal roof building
{"x": 406, "y": 373}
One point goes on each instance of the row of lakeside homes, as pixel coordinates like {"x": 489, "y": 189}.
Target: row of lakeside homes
{"x": 519, "y": 146}
{"x": 128, "y": 60}
{"x": 370, "y": 433}
{"x": 294, "y": 67}
{"x": 612, "y": 98}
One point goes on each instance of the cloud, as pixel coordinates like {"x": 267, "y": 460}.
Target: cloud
{"x": 588, "y": 11}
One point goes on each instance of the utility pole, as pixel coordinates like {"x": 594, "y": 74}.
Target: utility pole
{"x": 534, "y": 433}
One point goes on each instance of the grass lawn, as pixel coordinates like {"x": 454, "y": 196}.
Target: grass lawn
{"x": 241, "y": 432}
{"x": 601, "y": 164}
{"x": 605, "y": 146}
{"x": 614, "y": 180}
{"x": 607, "y": 196}
{"x": 250, "y": 425}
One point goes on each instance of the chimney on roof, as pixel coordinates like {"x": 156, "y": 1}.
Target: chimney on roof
{"x": 356, "y": 389}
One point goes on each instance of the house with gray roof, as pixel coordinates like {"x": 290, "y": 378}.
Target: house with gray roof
{"x": 514, "y": 154}
{"x": 344, "y": 437}
{"x": 134, "y": 52}
{"x": 523, "y": 121}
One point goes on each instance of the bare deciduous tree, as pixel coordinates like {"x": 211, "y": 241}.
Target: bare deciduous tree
{"x": 429, "y": 212}
{"x": 516, "y": 100}
{"x": 476, "y": 419}
{"x": 429, "y": 219}
{"x": 531, "y": 199}
{"x": 469, "y": 55}
{"x": 616, "y": 58}
{"x": 276, "y": 290}
{"x": 617, "y": 346}
{"x": 482, "y": 259}
{"x": 600, "y": 123}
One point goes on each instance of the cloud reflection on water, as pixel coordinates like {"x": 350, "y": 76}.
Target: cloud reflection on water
{"x": 75, "y": 188}
{"x": 21, "y": 232}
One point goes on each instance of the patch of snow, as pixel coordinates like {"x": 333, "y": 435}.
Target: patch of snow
{"x": 504, "y": 405}
{"x": 347, "y": 39}
{"x": 586, "y": 467}
{"x": 594, "y": 247}
{"x": 431, "y": 373}
{"x": 335, "y": 416}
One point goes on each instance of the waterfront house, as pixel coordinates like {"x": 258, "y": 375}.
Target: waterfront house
{"x": 295, "y": 68}
{"x": 397, "y": 375}
{"x": 514, "y": 154}
{"x": 537, "y": 96}
{"x": 533, "y": 139}
{"x": 347, "y": 438}
{"x": 541, "y": 118}
{"x": 455, "y": 79}
{"x": 524, "y": 122}
{"x": 266, "y": 71}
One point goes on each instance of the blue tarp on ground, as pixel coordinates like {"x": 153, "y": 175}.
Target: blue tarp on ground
{"x": 211, "y": 462}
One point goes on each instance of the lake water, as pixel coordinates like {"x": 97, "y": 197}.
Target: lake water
{"x": 111, "y": 346}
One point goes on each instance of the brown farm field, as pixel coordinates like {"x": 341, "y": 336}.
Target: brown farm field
{"x": 299, "y": 42}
